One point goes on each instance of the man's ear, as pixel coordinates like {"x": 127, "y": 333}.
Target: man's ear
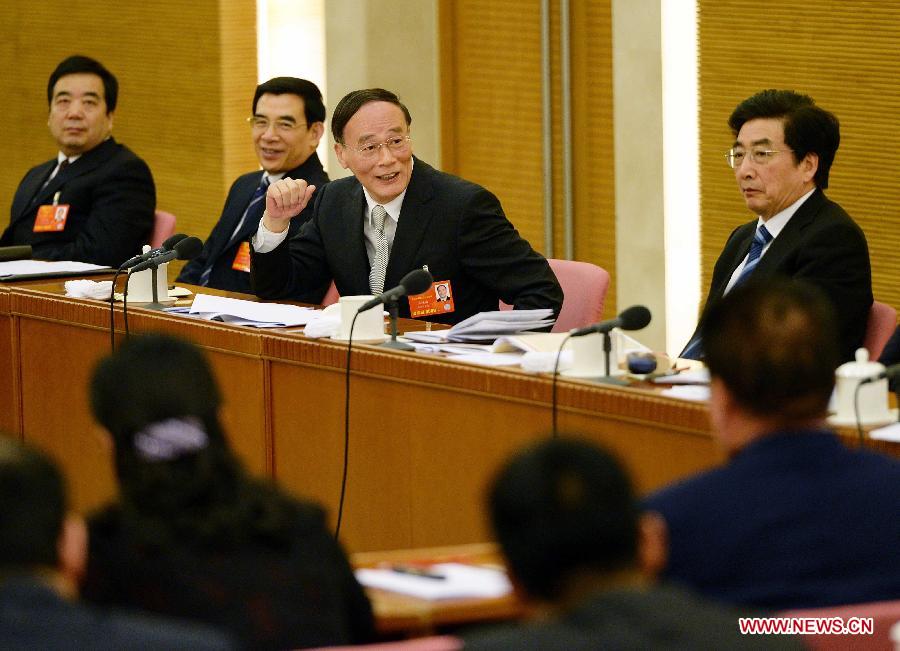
{"x": 653, "y": 544}
{"x": 72, "y": 549}
{"x": 810, "y": 165}
{"x": 340, "y": 151}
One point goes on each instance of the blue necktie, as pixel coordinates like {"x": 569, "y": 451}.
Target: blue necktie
{"x": 258, "y": 196}
{"x": 694, "y": 349}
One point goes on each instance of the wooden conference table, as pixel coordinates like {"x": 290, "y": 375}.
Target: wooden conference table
{"x": 426, "y": 434}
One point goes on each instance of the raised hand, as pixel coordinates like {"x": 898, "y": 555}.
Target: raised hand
{"x": 285, "y": 199}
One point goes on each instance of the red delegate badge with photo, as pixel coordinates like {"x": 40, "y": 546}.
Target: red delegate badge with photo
{"x": 242, "y": 259}
{"x": 51, "y": 217}
{"x": 438, "y": 299}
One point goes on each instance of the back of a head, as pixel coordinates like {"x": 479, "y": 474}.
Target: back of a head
{"x": 774, "y": 345}
{"x": 562, "y": 506}
{"x": 807, "y": 127}
{"x": 306, "y": 90}
{"x": 80, "y": 64}
{"x": 32, "y": 508}
{"x": 355, "y": 100}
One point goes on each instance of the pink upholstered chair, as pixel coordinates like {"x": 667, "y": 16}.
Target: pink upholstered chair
{"x": 584, "y": 288}
{"x": 433, "y": 643}
{"x": 331, "y": 296}
{"x": 163, "y": 228}
{"x": 884, "y": 615}
{"x": 880, "y": 327}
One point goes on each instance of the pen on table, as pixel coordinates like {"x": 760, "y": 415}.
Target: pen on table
{"x": 423, "y": 572}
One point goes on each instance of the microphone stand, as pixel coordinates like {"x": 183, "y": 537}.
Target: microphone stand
{"x": 607, "y": 352}
{"x": 393, "y": 343}
{"x": 156, "y": 305}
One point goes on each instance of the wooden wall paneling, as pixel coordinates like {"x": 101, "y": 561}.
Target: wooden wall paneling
{"x": 845, "y": 56}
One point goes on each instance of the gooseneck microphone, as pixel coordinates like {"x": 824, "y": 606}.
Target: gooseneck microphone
{"x": 415, "y": 282}
{"x": 168, "y": 245}
{"x": 631, "y": 318}
{"x": 185, "y": 249}
{"x": 891, "y": 373}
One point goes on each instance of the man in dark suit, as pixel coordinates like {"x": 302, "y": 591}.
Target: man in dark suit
{"x": 287, "y": 123}
{"x": 782, "y": 154}
{"x": 566, "y": 518}
{"x": 43, "y": 551}
{"x": 396, "y": 214}
{"x": 795, "y": 519}
{"x": 94, "y": 202}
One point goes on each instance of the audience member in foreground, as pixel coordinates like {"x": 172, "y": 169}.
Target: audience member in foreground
{"x": 784, "y": 145}
{"x": 193, "y": 534}
{"x": 286, "y": 124}
{"x": 94, "y": 201}
{"x": 566, "y": 518}
{"x": 43, "y": 551}
{"x": 396, "y": 214}
{"x": 795, "y": 519}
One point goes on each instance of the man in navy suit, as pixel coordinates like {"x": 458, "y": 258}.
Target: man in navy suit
{"x": 795, "y": 519}
{"x": 43, "y": 552}
{"x": 782, "y": 154}
{"x": 287, "y": 123}
{"x": 396, "y": 214}
{"x": 94, "y": 202}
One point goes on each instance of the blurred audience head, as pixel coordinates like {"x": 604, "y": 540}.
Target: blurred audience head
{"x": 564, "y": 509}
{"x": 772, "y": 349}
{"x": 37, "y": 536}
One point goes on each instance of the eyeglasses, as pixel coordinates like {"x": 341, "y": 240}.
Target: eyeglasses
{"x": 396, "y": 144}
{"x": 735, "y": 157}
{"x": 281, "y": 126}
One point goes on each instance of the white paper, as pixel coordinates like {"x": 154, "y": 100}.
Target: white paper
{"x": 27, "y": 267}
{"x": 489, "y": 359}
{"x": 249, "y": 312}
{"x": 889, "y": 433}
{"x": 696, "y": 392}
{"x": 460, "y": 582}
{"x": 693, "y": 376}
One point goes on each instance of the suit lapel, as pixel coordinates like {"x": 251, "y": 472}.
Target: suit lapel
{"x": 352, "y": 238}
{"x": 251, "y": 224}
{"x": 415, "y": 216}
{"x": 789, "y": 238}
{"x": 28, "y": 197}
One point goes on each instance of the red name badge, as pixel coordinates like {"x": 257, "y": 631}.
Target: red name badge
{"x": 438, "y": 299}
{"x": 51, "y": 218}
{"x": 242, "y": 259}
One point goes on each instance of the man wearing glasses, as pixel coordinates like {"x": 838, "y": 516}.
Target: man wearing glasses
{"x": 783, "y": 150}
{"x": 396, "y": 214}
{"x": 287, "y": 123}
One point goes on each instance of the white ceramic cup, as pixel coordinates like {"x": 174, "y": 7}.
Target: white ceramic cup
{"x": 140, "y": 285}
{"x": 588, "y": 357}
{"x": 369, "y": 325}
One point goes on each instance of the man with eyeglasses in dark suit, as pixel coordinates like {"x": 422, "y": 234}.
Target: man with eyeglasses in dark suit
{"x": 287, "y": 123}
{"x": 397, "y": 214}
{"x": 782, "y": 154}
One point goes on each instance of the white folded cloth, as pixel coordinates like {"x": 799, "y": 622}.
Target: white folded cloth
{"x": 325, "y": 323}
{"x": 89, "y": 289}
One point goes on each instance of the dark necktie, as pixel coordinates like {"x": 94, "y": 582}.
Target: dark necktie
{"x": 255, "y": 202}
{"x": 694, "y": 349}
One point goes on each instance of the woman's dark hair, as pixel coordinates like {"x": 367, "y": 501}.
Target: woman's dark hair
{"x": 192, "y": 491}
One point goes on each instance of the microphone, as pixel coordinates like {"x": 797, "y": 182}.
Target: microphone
{"x": 166, "y": 246}
{"x": 891, "y": 373}
{"x": 415, "y": 282}
{"x": 187, "y": 248}
{"x": 631, "y": 318}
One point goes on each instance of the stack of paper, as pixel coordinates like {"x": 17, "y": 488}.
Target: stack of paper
{"x": 443, "y": 581}
{"x": 238, "y": 312}
{"x": 487, "y": 326}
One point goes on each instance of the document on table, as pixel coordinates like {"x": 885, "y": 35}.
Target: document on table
{"x": 487, "y": 326}
{"x": 444, "y": 581}
{"x": 24, "y": 269}
{"x": 237, "y": 311}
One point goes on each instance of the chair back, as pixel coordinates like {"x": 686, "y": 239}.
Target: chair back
{"x": 879, "y": 328}
{"x": 163, "y": 228}
{"x": 884, "y": 615}
{"x": 584, "y": 288}
{"x": 331, "y": 296}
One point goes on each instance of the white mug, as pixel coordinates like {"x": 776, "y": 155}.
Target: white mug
{"x": 369, "y": 325}
{"x": 140, "y": 285}
{"x": 589, "y": 358}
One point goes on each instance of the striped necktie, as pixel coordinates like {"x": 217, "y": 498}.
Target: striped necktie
{"x": 694, "y": 349}
{"x": 255, "y": 202}
{"x": 382, "y": 251}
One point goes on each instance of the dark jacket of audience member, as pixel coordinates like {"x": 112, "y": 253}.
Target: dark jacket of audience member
{"x": 795, "y": 519}
{"x": 564, "y": 513}
{"x": 42, "y": 555}
{"x": 193, "y": 535}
